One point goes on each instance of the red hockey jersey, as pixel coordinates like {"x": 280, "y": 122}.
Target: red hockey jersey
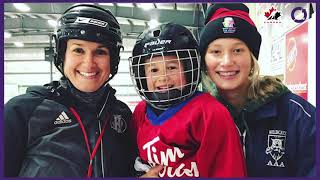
{"x": 196, "y": 138}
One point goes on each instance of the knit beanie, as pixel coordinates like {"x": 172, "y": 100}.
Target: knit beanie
{"x": 229, "y": 20}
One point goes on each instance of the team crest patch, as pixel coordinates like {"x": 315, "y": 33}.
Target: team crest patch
{"x": 276, "y": 147}
{"x": 118, "y": 124}
{"x": 228, "y": 25}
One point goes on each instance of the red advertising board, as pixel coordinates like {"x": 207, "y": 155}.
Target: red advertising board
{"x": 296, "y": 63}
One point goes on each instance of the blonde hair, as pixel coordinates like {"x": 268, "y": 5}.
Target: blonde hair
{"x": 207, "y": 85}
{"x": 260, "y": 88}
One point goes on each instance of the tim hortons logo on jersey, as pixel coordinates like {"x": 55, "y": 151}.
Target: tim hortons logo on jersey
{"x": 118, "y": 124}
{"x": 276, "y": 147}
{"x": 92, "y": 21}
{"x": 157, "y": 42}
{"x": 170, "y": 155}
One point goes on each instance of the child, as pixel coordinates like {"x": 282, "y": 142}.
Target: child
{"x": 190, "y": 133}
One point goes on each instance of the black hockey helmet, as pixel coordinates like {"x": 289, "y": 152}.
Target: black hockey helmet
{"x": 90, "y": 23}
{"x": 166, "y": 40}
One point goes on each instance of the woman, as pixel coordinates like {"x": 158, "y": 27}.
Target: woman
{"x": 75, "y": 127}
{"x": 277, "y": 127}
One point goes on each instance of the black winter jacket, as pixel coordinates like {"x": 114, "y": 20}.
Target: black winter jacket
{"x": 44, "y": 139}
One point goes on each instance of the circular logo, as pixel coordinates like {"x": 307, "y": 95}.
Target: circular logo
{"x": 299, "y": 14}
{"x": 118, "y": 124}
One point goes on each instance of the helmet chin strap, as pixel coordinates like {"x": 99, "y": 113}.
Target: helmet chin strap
{"x": 59, "y": 68}
{"x": 107, "y": 82}
{"x": 162, "y": 101}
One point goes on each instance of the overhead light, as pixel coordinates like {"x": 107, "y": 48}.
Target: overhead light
{"x": 146, "y": 6}
{"x": 52, "y": 23}
{"x": 184, "y": 6}
{"x": 82, "y": 3}
{"x": 122, "y": 20}
{"x": 7, "y": 35}
{"x": 165, "y": 6}
{"x": 18, "y": 44}
{"x": 21, "y": 7}
{"x": 106, "y": 4}
{"x": 153, "y": 23}
{"x": 125, "y": 4}
{"x": 138, "y": 22}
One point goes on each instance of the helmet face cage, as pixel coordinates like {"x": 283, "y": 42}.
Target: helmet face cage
{"x": 188, "y": 64}
{"x": 90, "y": 23}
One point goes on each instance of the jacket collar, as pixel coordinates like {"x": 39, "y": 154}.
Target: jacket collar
{"x": 263, "y": 109}
{"x": 61, "y": 91}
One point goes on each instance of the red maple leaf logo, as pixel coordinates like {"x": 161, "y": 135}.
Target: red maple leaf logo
{"x": 267, "y": 14}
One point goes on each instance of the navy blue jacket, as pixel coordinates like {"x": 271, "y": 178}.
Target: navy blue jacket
{"x": 278, "y": 136}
